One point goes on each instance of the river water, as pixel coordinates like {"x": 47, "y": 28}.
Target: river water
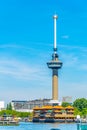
{"x": 40, "y": 126}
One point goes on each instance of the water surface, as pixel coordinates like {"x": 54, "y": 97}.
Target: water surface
{"x": 40, "y": 126}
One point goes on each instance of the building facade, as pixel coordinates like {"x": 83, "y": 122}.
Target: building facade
{"x": 2, "y": 105}
{"x": 27, "y": 106}
{"x": 67, "y": 99}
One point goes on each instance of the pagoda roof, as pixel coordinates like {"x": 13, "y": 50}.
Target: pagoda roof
{"x": 46, "y": 107}
{"x": 36, "y": 108}
{"x": 69, "y": 107}
{"x": 58, "y": 107}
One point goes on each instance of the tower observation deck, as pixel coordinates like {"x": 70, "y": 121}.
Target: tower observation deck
{"x": 54, "y": 64}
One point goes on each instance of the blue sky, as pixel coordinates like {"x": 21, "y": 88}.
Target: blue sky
{"x": 26, "y": 45}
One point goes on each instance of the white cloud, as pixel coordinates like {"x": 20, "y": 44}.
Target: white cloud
{"x": 70, "y": 60}
{"x": 17, "y": 69}
{"x": 80, "y": 48}
{"x": 74, "y": 89}
{"x": 74, "y": 56}
{"x": 23, "y": 71}
{"x": 65, "y": 36}
{"x": 83, "y": 67}
{"x": 16, "y": 47}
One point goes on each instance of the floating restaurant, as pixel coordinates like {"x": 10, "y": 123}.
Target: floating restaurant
{"x": 53, "y": 114}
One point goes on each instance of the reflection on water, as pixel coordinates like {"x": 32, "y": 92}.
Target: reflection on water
{"x": 40, "y": 126}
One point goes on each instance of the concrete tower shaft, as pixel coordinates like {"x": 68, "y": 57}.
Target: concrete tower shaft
{"x": 55, "y": 64}
{"x": 55, "y": 84}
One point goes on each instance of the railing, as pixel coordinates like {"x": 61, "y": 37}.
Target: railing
{"x": 7, "y": 122}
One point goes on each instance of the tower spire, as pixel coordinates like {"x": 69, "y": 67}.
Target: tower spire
{"x": 55, "y": 33}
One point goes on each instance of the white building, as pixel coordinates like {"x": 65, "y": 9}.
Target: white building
{"x": 2, "y": 105}
{"x": 67, "y": 99}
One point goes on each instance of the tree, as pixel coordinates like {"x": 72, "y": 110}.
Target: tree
{"x": 9, "y": 106}
{"x": 80, "y": 103}
{"x": 84, "y": 112}
{"x": 65, "y": 104}
{"x": 77, "y": 112}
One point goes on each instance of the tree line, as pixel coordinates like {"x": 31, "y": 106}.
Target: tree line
{"x": 10, "y": 112}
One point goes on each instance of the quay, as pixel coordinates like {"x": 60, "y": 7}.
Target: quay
{"x": 8, "y": 123}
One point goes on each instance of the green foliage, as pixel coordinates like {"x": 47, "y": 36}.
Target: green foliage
{"x": 84, "y": 112}
{"x": 65, "y": 104}
{"x": 8, "y": 112}
{"x": 77, "y": 112}
{"x": 15, "y": 113}
{"x": 9, "y": 106}
{"x": 80, "y": 103}
{"x": 23, "y": 114}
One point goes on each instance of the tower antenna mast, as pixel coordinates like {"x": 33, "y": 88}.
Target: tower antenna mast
{"x": 55, "y": 17}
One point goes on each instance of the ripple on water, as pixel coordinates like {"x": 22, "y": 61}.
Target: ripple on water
{"x": 40, "y": 126}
